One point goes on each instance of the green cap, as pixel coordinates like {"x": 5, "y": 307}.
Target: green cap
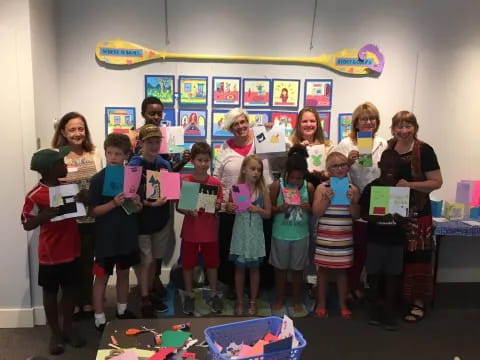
{"x": 43, "y": 160}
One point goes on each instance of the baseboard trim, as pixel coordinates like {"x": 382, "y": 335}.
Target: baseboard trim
{"x": 39, "y": 317}
{"x": 16, "y": 318}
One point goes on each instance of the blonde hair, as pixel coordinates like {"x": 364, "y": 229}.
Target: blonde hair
{"x": 233, "y": 115}
{"x": 260, "y": 186}
{"x": 319, "y": 137}
{"x": 362, "y": 110}
{"x": 334, "y": 155}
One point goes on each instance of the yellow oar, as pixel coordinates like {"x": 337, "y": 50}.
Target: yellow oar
{"x": 367, "y": 60}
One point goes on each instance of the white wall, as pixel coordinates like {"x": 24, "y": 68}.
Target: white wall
{"x": 17, "y": 109}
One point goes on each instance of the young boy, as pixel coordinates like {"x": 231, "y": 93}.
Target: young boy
{"x": 385, "y": 248}
{"x": 116, "y": 234}
{"x": 154, "y": 231}
{"x": 200, "y": 232}
{"x": 58, "y": 247}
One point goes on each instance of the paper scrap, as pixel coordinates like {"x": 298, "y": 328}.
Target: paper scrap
{"x": 440, "y": 219}
{"x": 129, "y": 355}
{"x": 63, "y": 197}
{"x": 162, "y": 353}
{"x": 172, "y": 338}
{"x": 471, "y": 222}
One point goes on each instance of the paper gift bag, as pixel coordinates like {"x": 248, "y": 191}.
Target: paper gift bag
{"x": 454, "y": 211}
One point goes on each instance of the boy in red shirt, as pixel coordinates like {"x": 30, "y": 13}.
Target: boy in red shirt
{"x": 200, "y": 232}
{"x": 58, "y": 247}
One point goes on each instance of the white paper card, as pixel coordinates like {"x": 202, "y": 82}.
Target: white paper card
{"x": 269, "y": 141}
{"x": 63, "y": 196}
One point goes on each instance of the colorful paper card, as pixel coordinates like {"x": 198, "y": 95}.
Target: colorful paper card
{"x": 63, "y": 197}
{"x": 173, "y": 338}
{"x": 340, "y": 188}
{"x": 241, "y": 197}
{"x": 389, "y": 200}
{"x": 464, "y": 192}
{"x": 474, "y": 192}
{"x": 170, "y": 185}
{"x": 131, "y": 181}
{"x": 316, "y": 158}
{"x": 189, "y": 195}
{"x": 172, "y": 140}
{"x": 475, "y": 212}
{"x": 437, "y": 207}
{"x": 113, "y": 183}
{"x": 454, "y": 211}
{"x": 195, "y": 196}
{"x": 269, "y": 141}
{"x": 152, "y": 190}
{"x": 365, "y": 145}
{"x": 128, "y": 355}
{"x": 291, "y": 195}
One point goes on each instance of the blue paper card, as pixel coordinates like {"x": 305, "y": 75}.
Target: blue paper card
{"x": 436, "y": 208}
{"x": 340, "y": 188}
{"x": 475, "y": 212}
{"x": 113, "y": 183}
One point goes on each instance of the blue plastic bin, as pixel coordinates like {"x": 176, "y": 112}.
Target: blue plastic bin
{"x": 249, "y": 332}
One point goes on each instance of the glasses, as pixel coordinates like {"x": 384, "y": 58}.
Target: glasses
{"x": 367, "y": 118}
{"x": 239, "y": 123}
{"x": 338, "y": 166}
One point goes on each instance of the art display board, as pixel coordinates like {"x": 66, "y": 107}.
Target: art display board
{"x": 193, "y": 121}
{"x": 162, "y": 87}
{"x": 119, "y": 119}
{"x": 193, "y": 90}
{"x": 318, "y": 93}
{"x": 285, "y": 93}
{"x": 226, "y": 91}
{"x": 256, "y": 93}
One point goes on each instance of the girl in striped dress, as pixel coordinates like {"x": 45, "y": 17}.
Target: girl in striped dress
{"x": 334, "y": 244}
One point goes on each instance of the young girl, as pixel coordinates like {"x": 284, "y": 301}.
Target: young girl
{"x": 248, "y": 243}
{"x": 290, "y": 235}
{"x": 334, "y": 245}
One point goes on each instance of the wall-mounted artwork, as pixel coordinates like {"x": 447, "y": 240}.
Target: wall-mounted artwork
{"x": 162, "y": 87}
{"x": 344, "y": 125}
{"x": 119, "y": 119}
{"x": 318, "y": 93}
{"x": 194, "y": 122}
{"x": 218, "y": 121}
{"x": 288, "y": 119}
{"x": 216, "y": 145}
{"x": 188, "y": 146}
{"x": 193, "y": 90}
{"x": 325, "y": 121}
{"x": 258, "y": 117}
{"x": 168, "y": 118}
{"x": 226, "y": 91}
{"x": 256, "y": 93}
{"x": 285, "y": 93}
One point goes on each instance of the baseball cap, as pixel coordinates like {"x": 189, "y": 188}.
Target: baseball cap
{"x": 148, "y": 131}
{"x": 43, "y": 159}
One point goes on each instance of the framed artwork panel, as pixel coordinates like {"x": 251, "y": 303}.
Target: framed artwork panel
{"x": 226, "y": 91}
{"x": 193, "y": 121}
{"x": 285, "y": 93}
{"x": 256, "y": 93}
{"x": 325, "y": 121}
{"x": 289, "y": 119}
{"x": 218, "y": 120}
{"x": 318, "y": 93}
{"x": 193, "y": 90}
{"x": 162, "y": 87}
{"x": 119, "y": 119}
{"x": 344, "y": 125}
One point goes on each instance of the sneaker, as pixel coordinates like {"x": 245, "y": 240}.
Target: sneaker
{"x": 188, "y": 305}
{"x": 126, "y": 315}
{"x": 74, "y": 339}
{"x": 159, "y": 305}
{"x": 216, "y": 304}
{"x": 147, "y": 309}
{"x": 100, "y": 327}
{"x": 56, "y": 345}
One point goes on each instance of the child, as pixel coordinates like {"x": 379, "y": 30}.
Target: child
{"x": 154, "y": 232}
{"x": 291, "y": 230}
{"x": 334, "y": 245}
{"x": 58, "y": 248}
{"x": 248, "y": 243}
{"x": 200, "y": 232}
{"x": 385, "y": 247}
{"x": 116, "y": 234}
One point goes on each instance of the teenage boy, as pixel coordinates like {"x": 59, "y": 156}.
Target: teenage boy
{"x": 200, "y": 232}
{"x": 116, "y": 233}
{"x": 58, "y": 248}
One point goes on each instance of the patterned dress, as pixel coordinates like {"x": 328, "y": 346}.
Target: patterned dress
{"x": 334, "y": 243}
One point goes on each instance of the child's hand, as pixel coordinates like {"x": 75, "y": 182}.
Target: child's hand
{"x": 159, "y": 202}
{"x": 353, "y": 195}
{"x": 218, "y": 205}
{"x": 119, "y": 199}
{"x": 136, "y": 200}
{"x": 82, "y": 196}
{"x": 230, "y": 207}
{"x": 254, "y": 208}
{"x": 49, "y": 213}
{"x": 403, "y": 182}
{"x": 187, "y": 156}
{"x": 305, "y": 206}
{"x": 283, "y": 208}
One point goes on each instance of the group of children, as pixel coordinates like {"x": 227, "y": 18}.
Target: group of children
{"x": 140, "y": 238}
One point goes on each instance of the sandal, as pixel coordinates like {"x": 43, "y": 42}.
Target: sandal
{"x": 321, "y": 313}
{"x": 415, "y": 314}
{"x": 239, "y": 309}
{"x": 346, "y": 313}
{"x": 252, "y": 310}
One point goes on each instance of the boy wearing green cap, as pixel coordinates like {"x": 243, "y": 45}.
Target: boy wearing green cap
{"x": 58, "y": 247}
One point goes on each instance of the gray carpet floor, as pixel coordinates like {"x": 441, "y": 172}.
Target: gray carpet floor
{"x": 451, "y": 328}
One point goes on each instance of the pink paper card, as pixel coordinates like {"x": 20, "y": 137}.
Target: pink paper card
{"x": 270, "y": 337}
{"x": 162, "y": 353}
{"x": 129, "y": 355}
{"x": 152, "y": 190}
{"x": 464, "y": 192}
{"x": 244, "y": 351}
{"x": 163, "y": 143}
{"x": 257, "y": 349}
{"x": 291, "y": 196}
{"x": 131, "y": 181}
{"x": 241, "y": 197}
{"x": 475, "y": 200}
{"x": 170, "y": 185}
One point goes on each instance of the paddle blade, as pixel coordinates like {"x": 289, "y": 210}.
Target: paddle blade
{"x": 355, "y": 62}
{"x": 121, "y": 52}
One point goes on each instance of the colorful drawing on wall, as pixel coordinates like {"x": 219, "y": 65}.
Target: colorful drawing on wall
{"x": 344, "y": 125}
{"x": 325, "y": 121}
{"x": 193, "y": 90}
{"x": 318, "y": 93}
{"x": 289, "y": 119}
{"x": 218, "y": 120}
{"x": 162, "y": 87}
{"x": 119, "y": 119}
{"x": 168, "y": 118}
{"x": 285, "y": 93}
{"x": 216, "y": 146}
{"x": 256, "y": 93}
{"x": 194, "y": 122}
{"x": 188, "y": 146}
{"x": 226, "y": 91}
{"x": 368, "y": 60}
{"x": 258, "y": 117}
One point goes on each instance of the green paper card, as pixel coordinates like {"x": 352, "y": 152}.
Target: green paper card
{"x": 189, "y": 196}
{"x": 172, "y": 338}
{"x": 389, "y": 200}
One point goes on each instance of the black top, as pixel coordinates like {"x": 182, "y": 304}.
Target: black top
{"x": 384, "y": 232}
{"x": 116, "y": 233}
{"x": 151, "y": 219}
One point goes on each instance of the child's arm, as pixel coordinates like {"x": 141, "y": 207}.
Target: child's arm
{"x": 264, "y": 211}
{"x": 186, "y": 212}
{"x": 308, "y": 205}
{"x": 354, "y": 195}
{"x": 230, "y": 206}
{"x": 158, "y": 202}
{"x": 321, "y": 200}
{"x": 274, "y": 190}
{"x": 43, "y": 216}
{"x": 103, "y": 209}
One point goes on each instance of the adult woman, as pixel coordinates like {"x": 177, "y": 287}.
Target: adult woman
{"x": 420, "y": 172}
{"x": 365, "y": 118}
{"x": 227, "y": 169}
{"x": 82, "y": 163}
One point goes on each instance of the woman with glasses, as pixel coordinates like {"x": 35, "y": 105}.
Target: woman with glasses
{"x": 365, "y": 118}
